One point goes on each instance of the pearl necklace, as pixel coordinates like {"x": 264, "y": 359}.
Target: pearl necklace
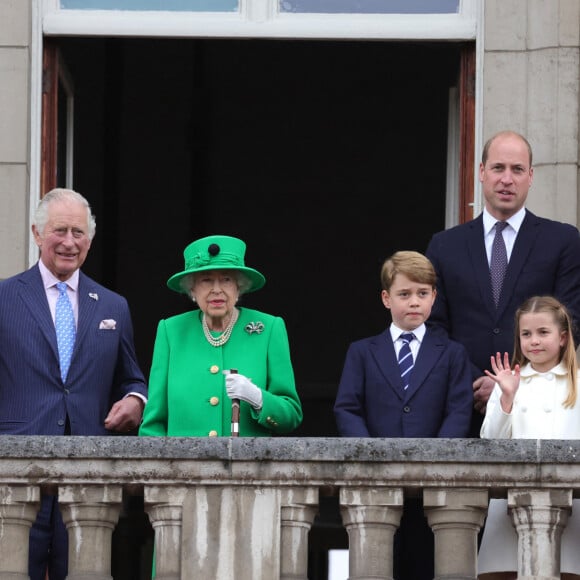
{"x": 225, "y": 335}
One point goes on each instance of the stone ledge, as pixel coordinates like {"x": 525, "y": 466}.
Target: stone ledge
{"x": 319, "y": 449}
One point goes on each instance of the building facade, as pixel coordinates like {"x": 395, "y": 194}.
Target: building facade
{"x": 326, "y": 140}
{"x": 526, "y": 78}
{"x": 302, "y": 126}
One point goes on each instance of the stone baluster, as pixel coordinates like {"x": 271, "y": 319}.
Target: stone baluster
{"x": 165, "y": 508}
{"x": 90, "y": 513}
{"x": 539, "y": 517}
{"x": 232, "y": 531}
{"x": 298, "y": 508}
{"x": 371, "y": 517}
{"x": 18, "y": 508}
{"x": 455, "y": 516}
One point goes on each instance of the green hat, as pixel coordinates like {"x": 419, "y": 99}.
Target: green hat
{"x": 216, "y": 253}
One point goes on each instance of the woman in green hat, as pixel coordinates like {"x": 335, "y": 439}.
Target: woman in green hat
{"x": 206, "y": 358}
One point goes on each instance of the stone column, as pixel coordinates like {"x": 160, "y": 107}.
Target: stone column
{"x": 455, "y": 516}
{"x": 298, "y": 508}
{"x": 539, "y": 517}
{"x": 18, "y": 508}
{"x": 371, "y": 517}
{"x": 16, "y": 170}
{"x": 90, "y": 513}
{"x": 233, "y": 530}
{"x": 536, "y": 44}
{"x": 165, "y": 508}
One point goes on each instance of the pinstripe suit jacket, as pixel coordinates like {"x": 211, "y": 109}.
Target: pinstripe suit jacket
{"x": 104, "y": 368}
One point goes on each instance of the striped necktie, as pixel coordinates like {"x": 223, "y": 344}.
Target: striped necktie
{"x": 64, "y": 322}
{"x": 406, "y": 362}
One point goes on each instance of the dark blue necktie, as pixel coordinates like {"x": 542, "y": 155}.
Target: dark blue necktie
{"x": 406, "y": 358}
{"x": 64, "y": 322}
{"x": 498, "y": 263}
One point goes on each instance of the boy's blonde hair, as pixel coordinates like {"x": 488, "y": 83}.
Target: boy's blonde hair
{"x": 563, "y": 320}
{"x": 414, "y": 265}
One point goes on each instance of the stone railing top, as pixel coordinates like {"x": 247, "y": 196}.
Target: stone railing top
{"x": 318, "y": 449}
{"x": 287, "y": 461}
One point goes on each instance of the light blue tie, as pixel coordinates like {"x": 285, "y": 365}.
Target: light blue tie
{"x": 406, "y": 362}
{"x": 64, "y": 321}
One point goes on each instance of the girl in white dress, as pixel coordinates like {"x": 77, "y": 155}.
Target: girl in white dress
{"x": 534, "y": 398}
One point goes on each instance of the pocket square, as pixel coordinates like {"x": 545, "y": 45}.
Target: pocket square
{"x": 108, "y": 324}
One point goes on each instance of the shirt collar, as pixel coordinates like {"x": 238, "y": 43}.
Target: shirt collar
{"x": 49, "y": 279}
{"x": 528, "y": 371}
{"x": 396, "y": 332}
{"x": 515, "y": 221}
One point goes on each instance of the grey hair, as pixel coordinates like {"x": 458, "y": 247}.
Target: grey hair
{"x": 188, "y": 282}
{"x": 60, "y": 194}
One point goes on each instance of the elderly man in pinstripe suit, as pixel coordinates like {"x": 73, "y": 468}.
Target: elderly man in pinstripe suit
{"x": 36, "y": 398}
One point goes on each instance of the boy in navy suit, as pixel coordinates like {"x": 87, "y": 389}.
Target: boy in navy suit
{"x": 428, "y": 394}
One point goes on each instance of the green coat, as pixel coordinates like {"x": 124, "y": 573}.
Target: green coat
{"x": 187, "y": 395}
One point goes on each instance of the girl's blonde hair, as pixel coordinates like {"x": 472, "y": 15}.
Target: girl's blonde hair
{"x": 567, "y": 352}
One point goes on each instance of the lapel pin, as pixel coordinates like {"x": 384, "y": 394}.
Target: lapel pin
{"x": 93, "y": 296}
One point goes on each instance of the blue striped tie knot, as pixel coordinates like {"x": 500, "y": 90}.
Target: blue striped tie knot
{"x": 406, "y": 362}
{"x": 64, "y": 322}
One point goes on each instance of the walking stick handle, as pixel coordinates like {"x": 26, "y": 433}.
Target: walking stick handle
{"x": 235, "y": 413}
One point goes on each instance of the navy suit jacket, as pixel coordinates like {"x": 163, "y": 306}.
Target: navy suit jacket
{"x": 545, "y": 260}
{"x": 33, "y": 398}
{"x": 371, "y": 401}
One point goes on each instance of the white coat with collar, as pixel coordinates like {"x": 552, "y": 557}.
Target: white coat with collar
{"x": 537, "y": 413}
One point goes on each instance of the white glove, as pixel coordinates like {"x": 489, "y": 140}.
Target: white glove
{"x": 241, "y": 387}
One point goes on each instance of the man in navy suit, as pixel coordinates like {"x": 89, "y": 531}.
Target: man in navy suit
{"x": 427, "y": 394}
{"x": 543, "y": 259}
{"x": 104, "y": 389}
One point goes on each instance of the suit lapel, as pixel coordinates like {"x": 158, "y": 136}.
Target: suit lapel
{"x": 429, "y": 353}
{"x": 87, "y": 300}
{"x": 523, "y": 246}
{"x": 476, "y": 249}
{"x": 383, "y": 351}
{"x": 33, "y": 295}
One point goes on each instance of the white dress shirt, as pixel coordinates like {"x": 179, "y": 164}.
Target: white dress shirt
{"x": 509, "y": 233}
{"x": 50, "y": 281}
{"x": 419, "y": 334}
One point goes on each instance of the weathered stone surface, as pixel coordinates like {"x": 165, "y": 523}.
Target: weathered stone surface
{"x": 211, "y": 500}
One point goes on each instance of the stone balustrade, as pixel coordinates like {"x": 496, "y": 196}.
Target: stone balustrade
{"x": 214, "y": 503}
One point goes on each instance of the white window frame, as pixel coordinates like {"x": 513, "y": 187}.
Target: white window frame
{"x": 261, "y": 19}
{"x": 66, "y": 80}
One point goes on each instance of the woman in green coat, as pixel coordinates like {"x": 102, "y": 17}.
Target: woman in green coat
{"x": 205, "y": 358}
